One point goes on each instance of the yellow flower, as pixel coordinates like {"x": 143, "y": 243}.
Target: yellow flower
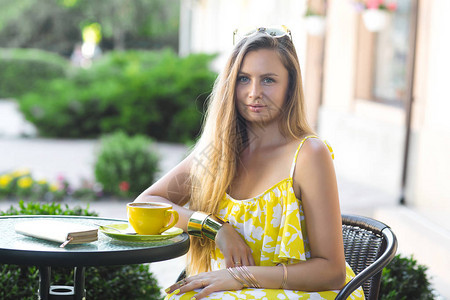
{"x": 53, "y": 187}
{"x": 5, "y": 180}
{"x": 20, "y": 172}
{"x": 25, "y": 182}
{"x": 42, "y": 181}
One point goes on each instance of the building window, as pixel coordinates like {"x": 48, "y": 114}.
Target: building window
{"x": 383, "y": 57}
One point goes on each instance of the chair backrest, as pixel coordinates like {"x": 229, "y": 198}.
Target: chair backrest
{"x": 369, "y": 246}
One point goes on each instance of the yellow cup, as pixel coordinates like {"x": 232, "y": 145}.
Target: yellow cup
{"x": 151, "y": 218}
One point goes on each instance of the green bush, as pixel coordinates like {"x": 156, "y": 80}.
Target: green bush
{"x": 66, "y": 110}
{"x": 153, "y": 93}
{"x": 52, "y": 208}
{"x": 23, "y": 70}
{"x": 113, "y": 282}
{"x": 125, "y": 165}
{"x": 405, "y": 279}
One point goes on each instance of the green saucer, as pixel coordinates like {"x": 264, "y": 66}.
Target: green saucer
{"x": 126, "y": 228}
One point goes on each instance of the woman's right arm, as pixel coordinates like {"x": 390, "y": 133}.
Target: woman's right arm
{"x": 172, "y": 188}
{"x": 175, "y": 188}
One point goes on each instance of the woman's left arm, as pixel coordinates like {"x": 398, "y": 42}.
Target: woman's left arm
{"x": 315, "y": 182}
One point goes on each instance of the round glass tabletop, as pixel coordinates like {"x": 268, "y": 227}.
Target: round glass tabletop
{"x": 16, "y": 248}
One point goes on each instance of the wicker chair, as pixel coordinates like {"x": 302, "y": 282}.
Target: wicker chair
{"x": 369, "y": 246}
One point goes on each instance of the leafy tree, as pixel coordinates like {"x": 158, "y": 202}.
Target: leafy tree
{"x": 41, "y": 24}
{"x": 55, "y": 25}
{"x": 123, "y": 19}
{"x": 12, "y": 9}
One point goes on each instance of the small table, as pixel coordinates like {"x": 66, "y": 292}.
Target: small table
{"x": 22, "y": 250}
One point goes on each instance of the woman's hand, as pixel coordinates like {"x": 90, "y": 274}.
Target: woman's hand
{"x": 208, "y": 282}
{"x": 233, "y": 247}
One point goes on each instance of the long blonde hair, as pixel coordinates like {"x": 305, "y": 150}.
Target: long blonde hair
{"x": 224, "y": 135}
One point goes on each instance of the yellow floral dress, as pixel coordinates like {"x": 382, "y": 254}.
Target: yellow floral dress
{"x": 273, "y": 225}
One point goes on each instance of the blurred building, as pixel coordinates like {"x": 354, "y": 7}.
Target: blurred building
{"x": 380, "y": 98}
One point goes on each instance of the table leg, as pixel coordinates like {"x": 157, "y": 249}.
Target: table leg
{"x": 80, "y": 292}
{"x": 44, "y": 282}
{"x": 56, "y": 292}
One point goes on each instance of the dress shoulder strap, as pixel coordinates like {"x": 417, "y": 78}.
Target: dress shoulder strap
{"x": 294, "y": 161}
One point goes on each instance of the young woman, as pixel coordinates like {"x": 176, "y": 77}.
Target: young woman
{"x": 263, "y": 210}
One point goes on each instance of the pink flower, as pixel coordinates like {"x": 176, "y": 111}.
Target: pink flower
{"x": 124, "y": 186}
{"x": 392, "y": 6}
{"x": 373, "y": 4}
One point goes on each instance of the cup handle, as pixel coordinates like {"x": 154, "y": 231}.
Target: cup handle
{"x": 174, "y": 213}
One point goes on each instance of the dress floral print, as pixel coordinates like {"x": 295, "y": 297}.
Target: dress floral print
{"x": 273, "y": 225}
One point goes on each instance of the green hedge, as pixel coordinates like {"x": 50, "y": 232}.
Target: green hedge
{"x": 405, "y": 279}
{"x": 22, "y": 70}
{"x": 112, "y": 282}
{"x": 153, "y": 93}
{"x": 125, "y": 165}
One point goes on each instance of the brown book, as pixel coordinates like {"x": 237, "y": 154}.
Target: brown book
{"x": 58, "y": 231}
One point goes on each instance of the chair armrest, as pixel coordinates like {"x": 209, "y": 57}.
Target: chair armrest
{"x": 182, "y": 275}
{"x": 374, "y": 268}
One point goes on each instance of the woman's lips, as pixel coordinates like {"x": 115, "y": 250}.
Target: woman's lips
{"x": 256, "y": 107}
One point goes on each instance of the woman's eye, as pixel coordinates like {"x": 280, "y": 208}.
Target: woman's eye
{"x": 268, "y": 80}
{"x": 243, "y": 79}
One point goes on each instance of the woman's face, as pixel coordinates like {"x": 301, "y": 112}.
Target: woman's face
{"x": 261, "y": 86}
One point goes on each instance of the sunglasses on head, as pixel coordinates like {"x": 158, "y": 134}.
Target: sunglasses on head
{"x": 276, "y": 32}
